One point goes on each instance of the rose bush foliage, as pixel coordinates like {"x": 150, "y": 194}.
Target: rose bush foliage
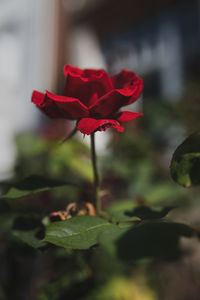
{"x": 93, "y": 99}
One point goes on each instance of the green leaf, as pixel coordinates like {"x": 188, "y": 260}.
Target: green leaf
{"x": 29, "y": 230}
{"x": 108, "y": 240}
{"x": 78, "y": 232}
{"x": 185, "y": 164}
{"x": 117, "y": 211}
{"x": 127, "y": 211}
{"x": 147, "y": 213}
{"x": 156, "y": 239}
{"x": 31, "y": 185}
{"x": 29, "y": 238}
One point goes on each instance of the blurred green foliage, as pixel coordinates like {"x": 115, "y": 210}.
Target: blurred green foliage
{"x": 185, "y": 164}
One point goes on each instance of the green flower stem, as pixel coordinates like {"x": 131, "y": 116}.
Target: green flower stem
{"x": 97, "y": 201}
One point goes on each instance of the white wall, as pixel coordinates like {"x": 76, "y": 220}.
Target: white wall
{"x": 26, "y": 62}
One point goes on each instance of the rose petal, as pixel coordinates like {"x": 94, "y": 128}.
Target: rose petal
{"x": 38, "y": 98}
{"x": 59, "y": 106}
{"x": 72, "y": 107}
{"x": 83, "y": 84}
{"x": 89, "y": 125}
{"x": 126, "y": 116}
{"x": 46, "y": 106}
{"x": 109, "y": 104}
{"x": 84, "y": 74}
{"x": 124, "y": 79}
{"x": 115, "y": 99}
{"x": 128, "y": 84}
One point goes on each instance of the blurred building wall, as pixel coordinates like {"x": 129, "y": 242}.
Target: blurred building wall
{"x": 157, "y": 39}
{"x": 29, "y": 57}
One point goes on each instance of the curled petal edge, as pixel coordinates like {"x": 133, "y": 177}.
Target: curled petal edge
{"x": 132, "y": 90}
{"x": 56, "y": 106}
{"x": 84, "y": 74}
{"x": 64, "y": 99}
{"x": 38, "y": 98}
{"x": 90, "y": 125}
{"x": 72, "y": 106}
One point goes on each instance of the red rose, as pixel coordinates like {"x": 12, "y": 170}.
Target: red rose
{"x": 93, "y": 99}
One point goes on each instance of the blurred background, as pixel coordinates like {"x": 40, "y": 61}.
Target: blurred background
{"x": 160, "y": 41}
